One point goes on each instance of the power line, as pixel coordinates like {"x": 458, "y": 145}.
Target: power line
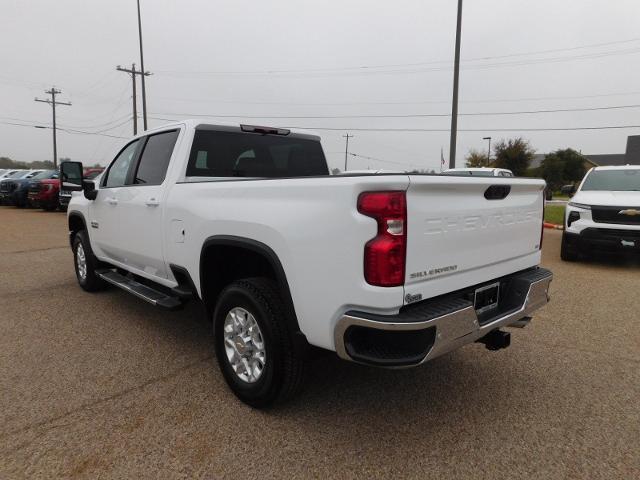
{"x": 117, "y": 119}
{"x": 380, "y": 160}
{"x": 66, "y": 130}
{"x": 446, "y": 64}
{"x": 409, "y": 115}
{"x": 409, "y": 130}
{"x": 416, "y": 102}
{"x": 545, "y": 129}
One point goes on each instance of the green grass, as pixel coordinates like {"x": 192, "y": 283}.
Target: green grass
{"x": 554, "y": 214}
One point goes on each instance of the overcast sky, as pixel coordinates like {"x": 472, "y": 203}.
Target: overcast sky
{"x": 301, "y": 58}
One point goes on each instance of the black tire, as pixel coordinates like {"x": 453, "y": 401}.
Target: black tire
{"x": 283, "y": 371}
{"x": 47, "y": 207}
{"x": 567, "y": 253}
{"x": 90, "y": 280}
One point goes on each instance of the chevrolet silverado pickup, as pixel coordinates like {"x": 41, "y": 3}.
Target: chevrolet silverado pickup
{"x": 604, "y": 214}
{"x": 388, "y": 270}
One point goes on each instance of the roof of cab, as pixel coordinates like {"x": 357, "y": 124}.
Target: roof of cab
{"x": 195, "y": 123}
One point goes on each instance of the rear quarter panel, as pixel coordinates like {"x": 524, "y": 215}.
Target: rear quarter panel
{"x": 313, "y": 226}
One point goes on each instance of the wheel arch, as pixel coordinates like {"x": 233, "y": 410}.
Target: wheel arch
{"x": 76, "y": 223}
{"x": 255, "y": 259}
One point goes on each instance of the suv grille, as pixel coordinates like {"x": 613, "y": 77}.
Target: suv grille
{"x": 5, "y": 186}
{"x": 613, "y": 215}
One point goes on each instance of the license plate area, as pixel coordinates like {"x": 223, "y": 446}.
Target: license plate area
{"x": 487, "y": 297}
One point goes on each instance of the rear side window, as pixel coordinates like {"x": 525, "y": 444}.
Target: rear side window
{"x": 241, "y": 154}
{"x": 155, "y": 157}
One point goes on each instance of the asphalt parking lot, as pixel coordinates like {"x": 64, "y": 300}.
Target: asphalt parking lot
{"x": 104, "y": 385}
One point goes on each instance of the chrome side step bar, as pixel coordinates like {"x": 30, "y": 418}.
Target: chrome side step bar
{"x": 148, "y": 294}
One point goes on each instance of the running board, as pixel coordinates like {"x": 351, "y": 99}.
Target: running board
{"x": 148, "y": 294}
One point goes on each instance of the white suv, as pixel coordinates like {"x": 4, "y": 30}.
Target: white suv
{"x": 604, "y": 213}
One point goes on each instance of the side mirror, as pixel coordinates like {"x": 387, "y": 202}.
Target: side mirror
{"x": 71, "y": 176}
{"x": 569, "y": 190}
{"x": 72, "y": 180}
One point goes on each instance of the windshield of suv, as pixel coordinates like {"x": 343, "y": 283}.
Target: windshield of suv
{"x": 613, "y": 180}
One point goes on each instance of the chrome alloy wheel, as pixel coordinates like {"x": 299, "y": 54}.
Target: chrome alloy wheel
{"x": 244, "y": 345}
{"x": 81, "y": 262}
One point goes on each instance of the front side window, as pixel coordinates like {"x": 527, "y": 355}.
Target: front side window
{"x": 241, "y": 154}
{"x": 155, "y": 157}
{"x": 117, "y": 174}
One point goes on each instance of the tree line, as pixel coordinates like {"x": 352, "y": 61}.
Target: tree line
{"x": 8, "y": 163}
{"x": 560, "y": 167}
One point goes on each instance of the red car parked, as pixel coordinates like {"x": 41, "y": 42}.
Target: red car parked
{"x": 44, "y": 194}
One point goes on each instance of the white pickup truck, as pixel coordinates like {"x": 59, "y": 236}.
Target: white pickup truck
{"x": 386, "y": 270}
{"x": 604, "y": 214}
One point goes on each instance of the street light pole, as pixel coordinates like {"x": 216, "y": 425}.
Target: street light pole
{"x": 144, "y": 91}
{"x": 454, "y": 103}
{"x": 488, "y": 150}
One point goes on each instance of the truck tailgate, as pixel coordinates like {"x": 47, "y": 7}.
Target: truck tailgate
{"x": 457, "y": 237}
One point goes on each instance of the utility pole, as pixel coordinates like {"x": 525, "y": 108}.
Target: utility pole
{"x": 346, "y": 150}
{"x": 133, "y": 72}
{"x": 53, "y": 102}
{"x": 488, "y": 150}
{"x": 454, "y": 105}
{"x": 144, "y": 91}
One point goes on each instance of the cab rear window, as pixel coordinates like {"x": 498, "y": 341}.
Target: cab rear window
{"x": 241, "y": 154}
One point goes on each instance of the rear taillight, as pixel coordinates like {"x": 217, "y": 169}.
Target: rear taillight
{"x": 384, "y": 255}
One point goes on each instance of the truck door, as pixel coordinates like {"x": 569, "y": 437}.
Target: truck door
{"x": 141, "y": 206}
{"x": 104, "y": 210}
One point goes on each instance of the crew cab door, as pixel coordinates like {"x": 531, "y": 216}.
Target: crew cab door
{"x": 141, "y": 206}
{"x": 103, "y": 211}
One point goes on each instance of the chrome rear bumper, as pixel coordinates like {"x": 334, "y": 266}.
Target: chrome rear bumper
{"x": 450, "y": 329}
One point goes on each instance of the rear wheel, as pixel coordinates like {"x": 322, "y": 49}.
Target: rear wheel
{"x": 253, "y": 345}
{"x": 567, "y": 252}
{"x": 86, "y": 263}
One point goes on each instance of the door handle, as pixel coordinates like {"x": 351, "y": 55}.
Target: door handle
{"x": 152, "y": 202}
{"x": 112, "y": 201}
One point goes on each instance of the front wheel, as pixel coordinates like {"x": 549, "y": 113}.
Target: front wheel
{"x": 253, "y": 345}
{"x": 86, "y": 263}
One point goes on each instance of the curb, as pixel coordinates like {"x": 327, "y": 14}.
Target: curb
{"x": 553, "y": 226}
